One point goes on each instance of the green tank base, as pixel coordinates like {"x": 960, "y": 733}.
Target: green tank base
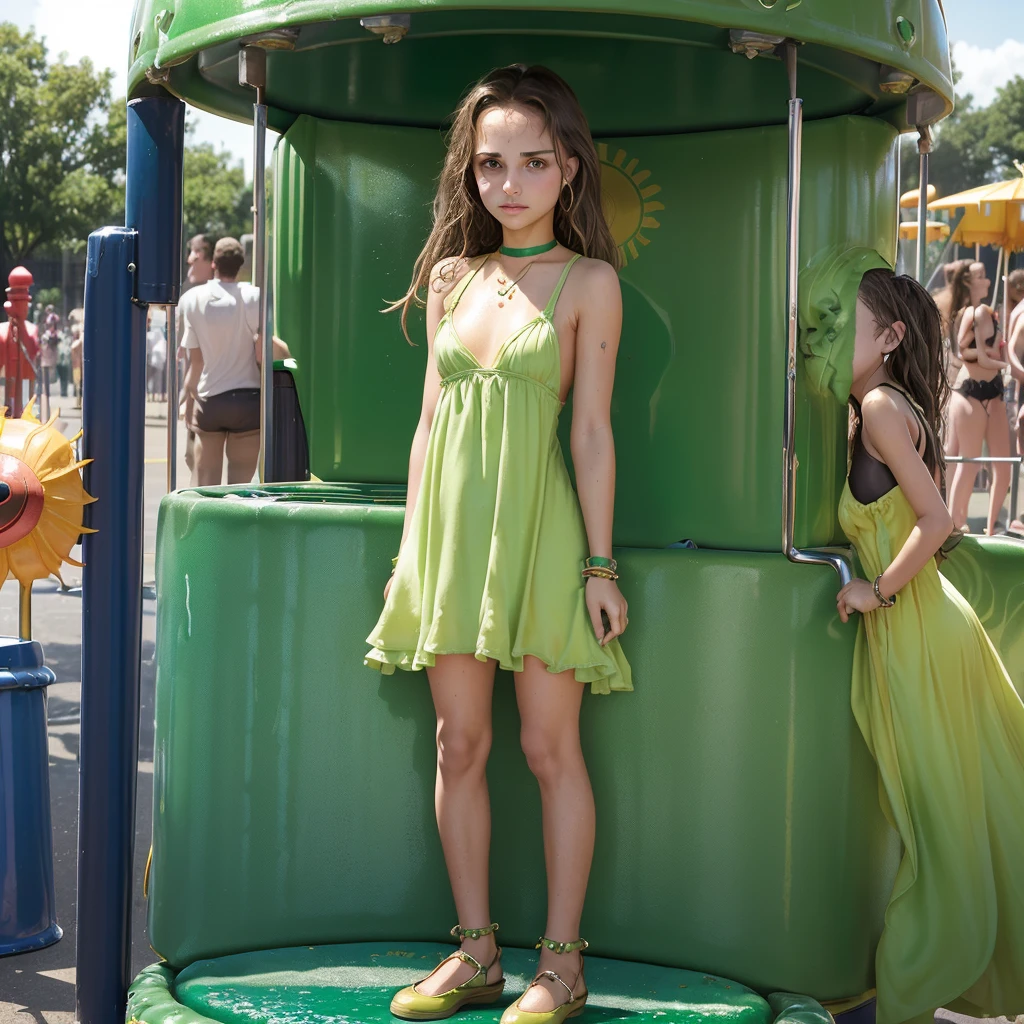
{"x": 354, "y": 982}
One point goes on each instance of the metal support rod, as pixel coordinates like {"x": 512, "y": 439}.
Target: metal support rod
{"x": 924, "y": 146}
{"x": 25, "y": 611}
{"x": 172, "y": 399}
{"x": 1014, "y": 492}
{"x": 252, "y": 71}
{"x": 835, "y": 558}
{"x": 259, "y": 275}
{"x": 985, "y": 459}
{"x": 996, "y": 280}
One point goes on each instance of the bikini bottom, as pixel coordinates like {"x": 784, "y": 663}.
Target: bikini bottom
{"x": 982, "y": 390}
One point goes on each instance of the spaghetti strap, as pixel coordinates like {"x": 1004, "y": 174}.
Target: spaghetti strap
{"x": 549, "y": 309}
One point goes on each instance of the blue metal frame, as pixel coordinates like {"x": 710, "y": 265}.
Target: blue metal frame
{"x": 127, "y": 268}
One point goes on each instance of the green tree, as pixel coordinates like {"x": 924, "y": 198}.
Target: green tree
{"x": 1004, "y": 128}
{"x": 217, "y": 200}
{"x": 61, "y": 149}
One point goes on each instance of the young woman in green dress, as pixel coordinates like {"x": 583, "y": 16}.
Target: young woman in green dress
{"x": 932, "y": 699}
{"x": 500, "y": 562}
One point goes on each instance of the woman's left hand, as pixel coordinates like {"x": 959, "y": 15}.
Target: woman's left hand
{"x": 856, "y": 596}
{"x": 604, "y": 595}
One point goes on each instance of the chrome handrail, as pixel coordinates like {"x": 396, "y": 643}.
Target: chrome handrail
{"x": 837, "y": 558}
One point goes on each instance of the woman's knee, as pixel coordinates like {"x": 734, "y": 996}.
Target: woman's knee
{"x": 462, "y": 751}
{"x": 549, "y": 753}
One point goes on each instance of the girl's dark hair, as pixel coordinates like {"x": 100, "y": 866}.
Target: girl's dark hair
{"x": 463, "y": 227}
{"x": 953, "y": 298}
{"x": 916, "y": 364}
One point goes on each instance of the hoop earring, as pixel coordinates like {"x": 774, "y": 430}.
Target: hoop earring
{"x": 572, "y": 195}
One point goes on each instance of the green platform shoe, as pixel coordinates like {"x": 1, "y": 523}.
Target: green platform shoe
{"x": 573, "y": 1007}
{"x": 408, "y": 1004}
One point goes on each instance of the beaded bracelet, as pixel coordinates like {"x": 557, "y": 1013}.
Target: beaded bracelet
{"x": 601, "y": 574}
{"x": 459, "y": 933}
{"x": 562, "y": 947}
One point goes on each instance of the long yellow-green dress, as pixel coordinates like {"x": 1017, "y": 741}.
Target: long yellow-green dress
{"x": 491, "y": 565}
{"x": 946, "y": 728}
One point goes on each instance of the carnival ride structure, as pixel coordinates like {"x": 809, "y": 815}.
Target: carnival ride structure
{"x": 749, "y": 158}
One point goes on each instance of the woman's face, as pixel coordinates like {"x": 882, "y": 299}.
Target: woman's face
{"x": 979, "y": 283}
{"x": 514, "y": 164}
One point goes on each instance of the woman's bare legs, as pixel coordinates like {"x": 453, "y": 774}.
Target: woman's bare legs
{"x": 462, "y": 688}
{"x": 997, "y": 434}
{"x": 968, "y": 421}
{"x": 549, "y": 708}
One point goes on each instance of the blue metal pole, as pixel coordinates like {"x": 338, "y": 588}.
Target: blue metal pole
{"x": 114, "y": 422}
{"x": 127, "y": 268}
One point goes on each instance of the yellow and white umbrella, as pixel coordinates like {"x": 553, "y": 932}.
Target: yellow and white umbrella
{"x": 993, "y": 215}
{"x": 935, "y": 230}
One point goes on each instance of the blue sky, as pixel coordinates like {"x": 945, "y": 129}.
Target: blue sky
{"x": 987, "y": 38}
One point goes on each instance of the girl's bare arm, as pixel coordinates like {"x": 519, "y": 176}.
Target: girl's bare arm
{"x": 591, "y": 442}
{"x": 431, "y": 392}
{"x": 886, "y": 430}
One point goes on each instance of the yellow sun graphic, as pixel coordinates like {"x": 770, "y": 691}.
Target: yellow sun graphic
{"x": 627, "y": 202}
{"x": 41, "y": 498}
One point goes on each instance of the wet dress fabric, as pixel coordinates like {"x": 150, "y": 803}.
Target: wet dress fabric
{"x": 491, "y": 565}
{"x": 946, "y": 729}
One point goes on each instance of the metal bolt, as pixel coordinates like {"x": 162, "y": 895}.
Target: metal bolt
{"x": 131, "y": 268}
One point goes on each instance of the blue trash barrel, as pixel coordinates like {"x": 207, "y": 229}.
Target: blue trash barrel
{"x": 28, "y": 917}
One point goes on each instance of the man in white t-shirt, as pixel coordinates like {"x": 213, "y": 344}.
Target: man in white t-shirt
{"x": 223, "y": 377}
{"x": 200, "y": 270}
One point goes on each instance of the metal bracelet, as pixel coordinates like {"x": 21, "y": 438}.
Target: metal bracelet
{"x": 884, "y": 602}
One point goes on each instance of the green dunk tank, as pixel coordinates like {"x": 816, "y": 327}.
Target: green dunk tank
{"x": 742, "y": 864}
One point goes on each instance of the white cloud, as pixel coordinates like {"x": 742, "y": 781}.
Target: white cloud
{"x": 984, "y": 70}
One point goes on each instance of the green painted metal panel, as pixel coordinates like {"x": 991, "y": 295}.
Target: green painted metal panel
{"x": 738, "y": 823}
{"x": 697, "y": 411}
{"x": 989, "y": 572}
{"x": 867, "y": 30}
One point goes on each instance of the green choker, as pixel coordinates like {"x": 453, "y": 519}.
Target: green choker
{"x": 533, "y": 250}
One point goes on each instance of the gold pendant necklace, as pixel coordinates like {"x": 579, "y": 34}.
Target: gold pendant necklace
{"x": 509, "y": 291}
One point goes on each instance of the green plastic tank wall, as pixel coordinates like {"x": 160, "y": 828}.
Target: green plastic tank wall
{"x": 739, "y": 830}
{"x": 698, "y": 393}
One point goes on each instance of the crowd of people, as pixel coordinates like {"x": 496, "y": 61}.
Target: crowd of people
{"x": 985, "y": 372}
{"x": 59, "y": 360}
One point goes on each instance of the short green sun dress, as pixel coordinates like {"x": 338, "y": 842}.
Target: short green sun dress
{"x": 492, "y": 563}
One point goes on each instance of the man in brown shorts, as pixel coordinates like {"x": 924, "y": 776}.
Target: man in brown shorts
{"x": 223, "y": 378}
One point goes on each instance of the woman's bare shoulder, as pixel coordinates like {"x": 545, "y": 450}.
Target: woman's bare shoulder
{"x": 447, "y": 272}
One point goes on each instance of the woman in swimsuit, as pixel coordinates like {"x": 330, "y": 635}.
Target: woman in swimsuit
{"x": 523, "y": 303}
{"x": 978, "y": 413}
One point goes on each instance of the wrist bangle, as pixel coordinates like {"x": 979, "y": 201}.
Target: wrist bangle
{"x": 885, "y": 602}
{"x": 600, "y": 562}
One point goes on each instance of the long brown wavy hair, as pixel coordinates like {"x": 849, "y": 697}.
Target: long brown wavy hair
{"x": 916, "y": 363}
{"x": 953, "y": 299}
{"x": 462, "y": 226}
